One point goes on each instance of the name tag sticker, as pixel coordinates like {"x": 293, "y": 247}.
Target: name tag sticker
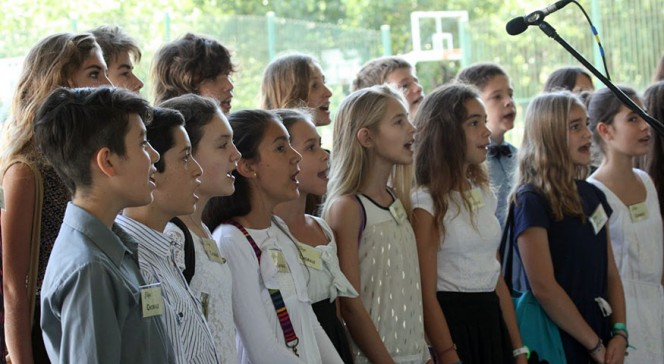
{"x": 398, "y": 211}
{"x": 476, "y": 199}
{"x": 2, "y": 198}
{"x": 212, "y": 251}
{"x": 598, "y": 219}
{"x": 205, "y": 304}
{"x": 152, "y": 301}
{"x": 638, "y": 212}
{"x": 279, "y": 261}
{"x": 311, "y": 256}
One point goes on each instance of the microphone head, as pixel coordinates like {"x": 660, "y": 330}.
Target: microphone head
{"x": 516, "y": 26}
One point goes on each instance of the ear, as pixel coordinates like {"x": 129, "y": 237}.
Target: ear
{"x": 364, "y": 137}
{"x": 106, "y": 161}
{"x": 605, "y": 131}
{"x": 246, "y": 168}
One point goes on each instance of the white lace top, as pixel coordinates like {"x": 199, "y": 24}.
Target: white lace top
{"x": 212, "y": 284}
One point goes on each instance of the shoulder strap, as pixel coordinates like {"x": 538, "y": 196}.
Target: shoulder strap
{"x": 35, "y": 234}
{"x": 363, "y": 219}
{"x": 506, "y": 248}
{"x": 189, "y": 251}
{"x": 277, "y": 300}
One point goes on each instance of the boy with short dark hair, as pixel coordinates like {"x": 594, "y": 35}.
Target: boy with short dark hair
{"x": 120, "y": 53}
{"x": 176, "y": 180}
{"x": 94, "y": 301}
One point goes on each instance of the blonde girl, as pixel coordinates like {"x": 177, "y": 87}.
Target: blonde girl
{"x": 296, "y": 80}
{"x": 635, "y": 226}
{"x": 367, "y": 203}
{"x": 468, "y": 311}
{"x": 64, "y": 59}
{"x": 560, "y": 231}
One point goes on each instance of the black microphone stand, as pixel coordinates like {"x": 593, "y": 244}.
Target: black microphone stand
{"x": 552, "y": 33}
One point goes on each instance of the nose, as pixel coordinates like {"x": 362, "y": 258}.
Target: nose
{"x": 197, "y": 171}
{"x": 154, "y": 155}
{"x": 296, "y": 157}
{"x": 326, "y": 154}
{"x": 229, "y": 83}
{"x": 328, "y": 92}
{"x": 487, "y": 131}
{"x": 138, "y": 84}
{"x": 235, "y": 155}
{"x": 418, "y": 88}
{"x": 104, "y": 80}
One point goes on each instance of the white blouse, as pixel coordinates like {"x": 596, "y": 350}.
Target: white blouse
{"x": 261, "y": 336}
{"x": 326, "y": 281}
{"x": 212, "y": 284}
{"x": 466, "y": 256}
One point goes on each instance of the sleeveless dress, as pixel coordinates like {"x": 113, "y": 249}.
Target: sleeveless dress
{"x": 637, "y": 248}
{"x": 390, "y": 284}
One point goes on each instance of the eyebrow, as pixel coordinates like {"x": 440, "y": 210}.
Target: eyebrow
{"x": 127, "y": 66}
{"x": 475, "y": 116}
{"x": 94, "y": 66}
{"x": 186, "y": 149}
{"x": 223, "y": 137}
{"x": 400, "y": 115}
{"x": 280, "y": 138}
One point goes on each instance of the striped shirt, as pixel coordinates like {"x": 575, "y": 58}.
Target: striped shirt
{"x": 184, "y": 321}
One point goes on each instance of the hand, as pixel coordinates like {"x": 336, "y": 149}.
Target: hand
{"x": 599, "y": 355}
{"x": 521, "y": 359}
{"x": 615, "y": 352}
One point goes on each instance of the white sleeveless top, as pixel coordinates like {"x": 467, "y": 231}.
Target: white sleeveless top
{"x": 390, "y": 279}
{"x": 638, "y": 251}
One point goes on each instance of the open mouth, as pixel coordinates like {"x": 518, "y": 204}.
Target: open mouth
{"x": 585, "y": 148}
{"x": 226, "y": 104}
{"x": 645, "y": 139}
{"x": 323, "y": 174}
{"x": 294, "y": 177}
{"x": 324, "y": 108}
{"x": 418, "y": 100}
{"x": 510, "y": 116}
{"x": 409, "y": 145}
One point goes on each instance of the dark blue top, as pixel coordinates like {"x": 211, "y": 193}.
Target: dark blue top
{"x": 579, "y": 256}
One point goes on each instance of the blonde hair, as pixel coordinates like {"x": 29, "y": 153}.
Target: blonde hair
{"x": 286, "y": 82}
{"x": 49, "y": 64}
{"x": 544, "y": 159}
{"x": 440, "y": 151}
{"x": 364, "y": 108}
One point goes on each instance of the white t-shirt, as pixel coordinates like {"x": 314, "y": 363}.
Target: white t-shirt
{"x": 467, "y": 254}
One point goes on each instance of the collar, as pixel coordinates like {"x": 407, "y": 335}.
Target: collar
{"x": 114, "y": 243}
{"x": 146, "y": 237}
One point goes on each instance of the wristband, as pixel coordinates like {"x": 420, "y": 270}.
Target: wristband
{"x": 520, "y": 351}
{"x": 597, "y": 347}
{"x": 619, "y": 326}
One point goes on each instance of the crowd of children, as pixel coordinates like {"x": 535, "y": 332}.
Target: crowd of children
{"x": 182, "y": 232}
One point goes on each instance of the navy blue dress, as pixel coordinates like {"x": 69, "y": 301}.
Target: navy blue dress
{"x": 579, "y": 256}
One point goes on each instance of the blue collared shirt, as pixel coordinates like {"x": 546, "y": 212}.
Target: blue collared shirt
{"x": 91, "y": 308}
{"x": 183, "y": 318}
{"x": 501, "y": 174}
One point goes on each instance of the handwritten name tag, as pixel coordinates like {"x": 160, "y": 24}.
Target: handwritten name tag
{"x": 212, "y": 251}
{"x": 279, "y": 261}
{"x": 638, "y": 212}
{"x": 398, "y": 211}
{"x": 475, "y": 198}
{"x": 310, "y": 256}
{"x": 152, "y": 301}
{"x": 598, "y": 219}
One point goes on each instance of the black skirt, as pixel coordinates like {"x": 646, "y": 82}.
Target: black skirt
{"x": 326, "y": 312}
{"x": 477, "y": 327}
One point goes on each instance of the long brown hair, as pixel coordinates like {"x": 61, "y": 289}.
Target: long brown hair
{"x": 49, "y": 64}
{"x": 440, "y": 148}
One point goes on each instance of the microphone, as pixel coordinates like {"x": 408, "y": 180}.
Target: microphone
{"x": 519, "y": 24}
